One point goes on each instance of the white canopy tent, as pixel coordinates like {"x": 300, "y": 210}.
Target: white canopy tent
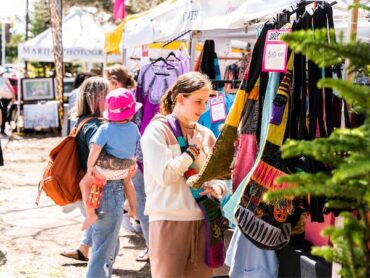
{"x": 83, "y": 41}
{"x": 218, "y": 19}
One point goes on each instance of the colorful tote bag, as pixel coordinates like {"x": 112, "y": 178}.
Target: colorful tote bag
{"x": 211, "y": 209}
{"x": 267, "y": 225}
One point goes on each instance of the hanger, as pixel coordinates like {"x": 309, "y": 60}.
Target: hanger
{"x": 161, "y": 59}
{"x": 172, "y": 54}
{"x": 168, "y": 66}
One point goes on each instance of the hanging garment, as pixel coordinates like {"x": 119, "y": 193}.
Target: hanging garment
{"x": 152, "y": 83}
{"x": 207, "y": 64}
{"x": 206, "y": 120}
{"x": 220, "y": 160}
{"x": 267, "y": 224}
{"x": 248, "y": 261}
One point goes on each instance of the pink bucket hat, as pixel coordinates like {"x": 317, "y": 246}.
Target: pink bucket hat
{"x": 120, "y": 105}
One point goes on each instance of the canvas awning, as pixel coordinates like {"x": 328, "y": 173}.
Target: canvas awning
{"x": 83, "y": 41}
{"x": 176, "y": 16}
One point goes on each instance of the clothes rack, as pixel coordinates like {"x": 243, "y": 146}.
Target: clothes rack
{"x": 215, "y": 83}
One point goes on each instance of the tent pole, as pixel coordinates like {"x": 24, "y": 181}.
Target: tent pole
{"x": 3, "y": 42}
{"x": 26, "y": 36}
{"x": 352, "y": 33}
{"x": 19, "y": 104}
{"x": 124, "y": 56}
{"x": 193, "y": 48}
{"x": 105, "y": 60}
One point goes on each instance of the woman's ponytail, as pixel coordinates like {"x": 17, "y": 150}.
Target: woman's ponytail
{"x": 130, "y": 82}
{"x": 167, "y": 103}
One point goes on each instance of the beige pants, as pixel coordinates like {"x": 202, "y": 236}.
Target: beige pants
{"x": 177, "y": 249}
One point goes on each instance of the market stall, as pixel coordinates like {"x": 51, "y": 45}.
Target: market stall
{"x": 197, "y": 21}
{"x": 83, "y": 42}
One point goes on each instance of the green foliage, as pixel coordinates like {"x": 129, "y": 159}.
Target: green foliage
{"x": 346, "y": 153}
{"x": 39, "y": 19}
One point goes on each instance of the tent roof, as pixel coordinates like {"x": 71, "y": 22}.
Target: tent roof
{"x": 175, "y": 16}
{"x": 83, "y": 40}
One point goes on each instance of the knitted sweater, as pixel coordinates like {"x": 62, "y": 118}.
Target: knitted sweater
{"x": 168, "y": 196}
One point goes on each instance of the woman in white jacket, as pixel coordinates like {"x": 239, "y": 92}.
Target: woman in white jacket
{"x": 177, "y": 231}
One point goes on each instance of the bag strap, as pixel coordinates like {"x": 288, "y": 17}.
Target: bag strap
{"x": 74, "y": 132}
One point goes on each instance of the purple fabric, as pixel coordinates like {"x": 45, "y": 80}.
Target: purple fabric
{"x": 151, "y": 86}
{"x": 277, "y": 114}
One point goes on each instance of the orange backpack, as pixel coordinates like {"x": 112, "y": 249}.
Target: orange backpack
{"x": 63, "y": 172}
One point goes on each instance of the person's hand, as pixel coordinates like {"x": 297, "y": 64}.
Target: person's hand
{"x": 214, "y": 190}
{"x": 195, "y": 139}
{"x": 132, "y": 171}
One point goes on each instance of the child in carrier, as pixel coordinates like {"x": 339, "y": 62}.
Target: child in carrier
{"x": 119, "y": 137}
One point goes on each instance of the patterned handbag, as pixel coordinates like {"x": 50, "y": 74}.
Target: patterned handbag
{"x": 267, "y": 225}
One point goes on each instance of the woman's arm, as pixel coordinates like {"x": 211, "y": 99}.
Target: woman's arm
{"x": 95, "y": 150}
{"x": 158, "y": 157}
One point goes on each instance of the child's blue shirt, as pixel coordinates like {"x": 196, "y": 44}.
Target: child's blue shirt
{"x": 118, "y": 139}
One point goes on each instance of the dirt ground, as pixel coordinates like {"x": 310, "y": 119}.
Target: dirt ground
{"x": 33, "y": 236}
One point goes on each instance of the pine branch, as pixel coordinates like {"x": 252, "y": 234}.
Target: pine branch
{"x": 327, "y": 150}
{"x": 355, "y": 94}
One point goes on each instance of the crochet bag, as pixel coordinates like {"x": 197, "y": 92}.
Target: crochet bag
{"x": 268, "y": 225}
{"x": 63, "y": 172}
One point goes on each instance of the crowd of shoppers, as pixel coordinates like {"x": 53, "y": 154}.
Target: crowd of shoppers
{"x": 173, "y": 223}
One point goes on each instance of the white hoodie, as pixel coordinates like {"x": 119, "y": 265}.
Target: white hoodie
{"x": 168, "y": 195}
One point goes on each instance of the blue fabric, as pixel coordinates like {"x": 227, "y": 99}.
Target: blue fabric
{"x": 248, "y": 261}
{"x": 105, "y": 232}
{"x": 118, "y": 139}
{"x": 217, "y": 69}
{"x": 272, "y": 87}
{"x": 205, "y": 118}
{"x": 138, "y": 182}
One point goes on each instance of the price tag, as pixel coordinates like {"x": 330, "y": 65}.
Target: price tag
{"x": 275, "y": 53}
{"x": 218, "y": 108}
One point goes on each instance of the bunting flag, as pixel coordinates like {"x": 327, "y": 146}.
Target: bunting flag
{"x": 119, "y": 11}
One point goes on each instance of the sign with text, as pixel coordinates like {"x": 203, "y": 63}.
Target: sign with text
{"x": 218, "y": 108}
{"x": 275, "y": 52}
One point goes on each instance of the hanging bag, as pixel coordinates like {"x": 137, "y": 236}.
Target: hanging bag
{"x": 63, "y": 172}
{"x": 265, "y": 224}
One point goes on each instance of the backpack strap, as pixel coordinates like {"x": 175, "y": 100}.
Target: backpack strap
{"x": 74, "y": 132}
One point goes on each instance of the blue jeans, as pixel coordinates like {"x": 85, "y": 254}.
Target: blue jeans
{"x": 138, "y": 182}
{"x": 105, "y": 231}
